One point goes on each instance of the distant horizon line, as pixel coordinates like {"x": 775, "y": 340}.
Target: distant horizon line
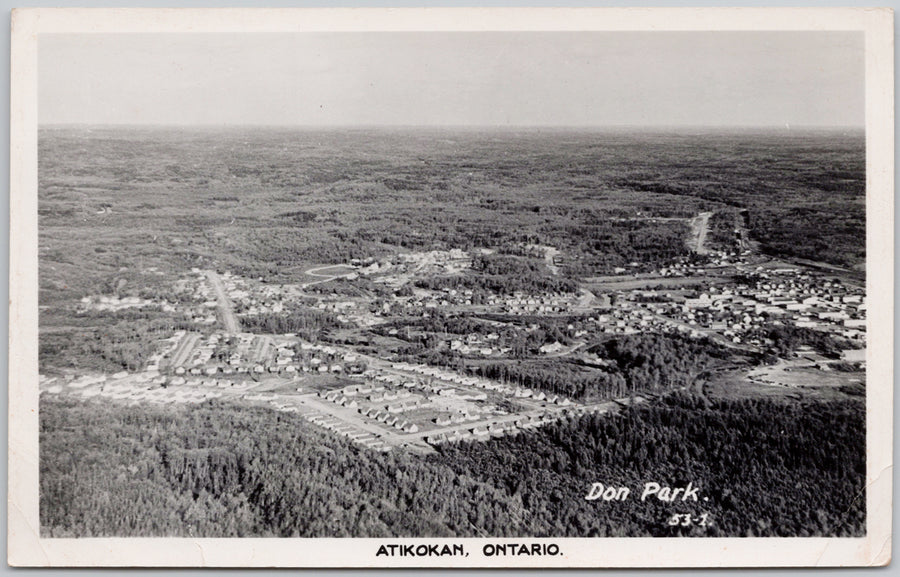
{"x": 474, "y": 127}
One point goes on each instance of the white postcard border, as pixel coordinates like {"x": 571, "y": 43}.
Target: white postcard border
{"x": 26, "y": 548}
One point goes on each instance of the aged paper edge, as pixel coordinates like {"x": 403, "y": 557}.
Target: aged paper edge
{"x": 26, "y": 548}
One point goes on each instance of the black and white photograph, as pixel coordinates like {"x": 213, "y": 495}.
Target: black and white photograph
{"x": 482, "y": 296}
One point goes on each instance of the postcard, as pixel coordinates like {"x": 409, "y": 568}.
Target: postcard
{"x": 445, "y": 287}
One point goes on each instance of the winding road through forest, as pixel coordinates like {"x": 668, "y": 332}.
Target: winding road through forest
{"x": 325, "y": 277}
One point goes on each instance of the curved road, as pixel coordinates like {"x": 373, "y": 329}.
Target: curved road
{"x": 324, "y": 277}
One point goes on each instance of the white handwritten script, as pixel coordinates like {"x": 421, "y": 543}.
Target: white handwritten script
{"x": 651, "y": 490}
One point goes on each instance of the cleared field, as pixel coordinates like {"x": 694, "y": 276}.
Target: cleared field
{"x": 795, "y": 382}
{"x": 805, "y": 377}
{"x": 260, "y": 349}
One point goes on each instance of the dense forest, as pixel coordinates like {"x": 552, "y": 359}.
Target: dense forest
{"x": 271, "y": 202}
{"x": 304, "y": 322}
{"x": 558, "y": 377}
{"x": 503, "y": 274}
{"x": 723, "y": 231}
{"x": 787, "y": 339}
{"x": 107, "y": 343}
{"x": 228, "y": 470}
{"x": 642, "y": 362}
{"x": 767, "y": 468}
{"x": 601, "y": 244}
{"x": 657, "y": 361}
{"x": 795, "y": 206}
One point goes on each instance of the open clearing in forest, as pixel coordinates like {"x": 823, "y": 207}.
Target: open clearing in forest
{"x": 803, "y": 377}
{"x": 796, "y": 379}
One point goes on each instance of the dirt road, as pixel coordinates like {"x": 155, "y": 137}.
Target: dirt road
{"x": 324, "y": 277}
{"x": 232, "y": 326}
{"x": 550, "y": 253}
{"x": 699, "y": 228}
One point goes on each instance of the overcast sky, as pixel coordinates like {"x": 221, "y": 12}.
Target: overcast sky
{"x": 461, "y": 78}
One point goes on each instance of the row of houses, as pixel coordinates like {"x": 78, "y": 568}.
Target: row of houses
{"x": 449, "y": 376}
{"x": 354, "y": 434}
{"x": 447, "y": 419}
{"x": 490, "y": 430}
{"x": 388, "y": 396}
{"x": 523, "y": 393}
{"x": 132, "y": 394}
{"x": 507, "y": 428}
{"x": 113, "y": 303}
{"x": 470, "y": 381}
{"x": 362, "y": 389}
{"x": 221, "y": 384}
{"x": 410, "y": 405}
{"x": 338, "y": 398}
{"x": 427, "y": 387}
{"x": 252, "y": 354}
{"x": 391, "y": 420}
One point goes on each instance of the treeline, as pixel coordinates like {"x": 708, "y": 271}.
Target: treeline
{"x": 483, "y": 285}
{"x": 558, "y": 377}
{"x": 433, "y": 235}
{"x": 269, "y": 250}
{"x": 108, "y": 343}
{"x": 508, "y": 265}
{"x": 599, "y": 245}
{"x": 540, "y": 329}
{"x": 796, "y": 232}
{"x": 651, "y": 361}
{"x": 639, "y": 362}
{"x": 222, "y": 470}
{"x": 786, "y": 339}
{"x": 762, "y": 468}
{"x": 307, "y": 323}
{"x": 457, "y": 325}
{"x": 503, "y": 274}
{"x": 723, "y": 230}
